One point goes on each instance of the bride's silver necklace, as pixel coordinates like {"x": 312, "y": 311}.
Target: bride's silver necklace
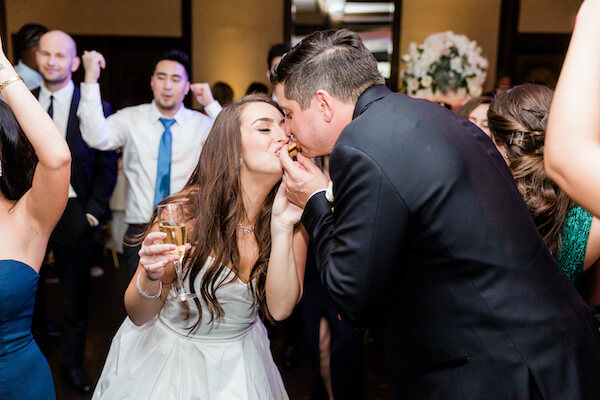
{"x": 245, "y": 228}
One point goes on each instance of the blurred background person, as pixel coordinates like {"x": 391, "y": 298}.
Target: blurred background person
{"x": 518, "y": 120}
{"x": 93, "y": 178}
{"x": 273, "y": 57}
{"x": 223, "y": 93}
{"x": 257, "y": 87}
{"x": 161, "y": 140}
{"x": 26, "y": 45}
{"x": 34, "y": 184}
{"x": 475, "y": 110}
{"x": 503, "y": 82}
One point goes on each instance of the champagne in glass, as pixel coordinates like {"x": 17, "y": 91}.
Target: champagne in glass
{"x": 175, "y": 235}
{"x": 171, "y": 220}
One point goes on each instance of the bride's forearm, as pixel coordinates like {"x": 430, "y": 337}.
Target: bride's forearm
{"x": 285, "y": 273}
{"x": 141, "y": 309}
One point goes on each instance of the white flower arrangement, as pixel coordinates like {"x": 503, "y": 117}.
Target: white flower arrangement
{"x": 447, "y": 68}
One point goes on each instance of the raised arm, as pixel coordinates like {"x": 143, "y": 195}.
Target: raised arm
{"x": 572, "y": 146}
{"x": 285, "y": 273}
{"x": 98, "y": 131}
{"x": 47, "y": 198}
{"x": 204, "y": 97}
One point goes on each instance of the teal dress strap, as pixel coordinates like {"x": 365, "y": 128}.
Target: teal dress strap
{"x": 574, "y": 242}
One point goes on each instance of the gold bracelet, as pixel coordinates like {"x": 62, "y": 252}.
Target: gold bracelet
{"x": 8, "y": 82}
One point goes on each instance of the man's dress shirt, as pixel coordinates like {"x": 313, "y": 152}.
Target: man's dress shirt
{"x": 137, "y": 130}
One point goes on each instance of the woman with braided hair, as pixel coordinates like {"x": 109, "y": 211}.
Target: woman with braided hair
{"x": 517, "y": 120}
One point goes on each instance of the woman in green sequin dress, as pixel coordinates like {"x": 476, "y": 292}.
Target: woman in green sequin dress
{"x": 517, "y": 120}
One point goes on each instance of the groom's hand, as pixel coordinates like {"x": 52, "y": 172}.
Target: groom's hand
{"x": 303, "y": 178}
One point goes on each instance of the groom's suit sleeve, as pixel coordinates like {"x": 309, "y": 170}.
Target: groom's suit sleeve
{"x": 358, "y": 246}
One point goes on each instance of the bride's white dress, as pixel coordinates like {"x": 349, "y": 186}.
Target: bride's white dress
{"x": 226, "y": 359}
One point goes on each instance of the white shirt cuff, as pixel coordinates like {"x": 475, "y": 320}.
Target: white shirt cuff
{"x": 90, "y": 216}
{"x": 213, "y": 109}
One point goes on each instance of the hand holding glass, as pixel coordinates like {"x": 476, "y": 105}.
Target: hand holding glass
{"x": 171, "y": 220}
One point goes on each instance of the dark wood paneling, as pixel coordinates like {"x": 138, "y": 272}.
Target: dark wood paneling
{"x": 3, "y": 27}
{"x": 509, "y": 25}
{"x": 396, "y": 29}
{"x": 528, "y": 57}
{"x": 545, "y": 43}
{"x": 287, "y": 21}
{"x": 186, "y": 26}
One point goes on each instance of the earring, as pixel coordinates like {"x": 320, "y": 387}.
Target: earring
{"x": 241, "y": 161}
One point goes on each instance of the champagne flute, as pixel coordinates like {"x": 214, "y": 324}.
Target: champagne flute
{"x": 171, "y": 220}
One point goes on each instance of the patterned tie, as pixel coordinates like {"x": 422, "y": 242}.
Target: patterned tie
{"x": 51, "y": 107}
{"x": 162, "y": 187}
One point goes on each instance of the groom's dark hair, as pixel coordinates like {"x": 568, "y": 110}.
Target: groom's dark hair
{"x": 333, "y": 60}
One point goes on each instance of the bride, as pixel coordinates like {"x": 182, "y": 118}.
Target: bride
{"x": 245, "y": 256}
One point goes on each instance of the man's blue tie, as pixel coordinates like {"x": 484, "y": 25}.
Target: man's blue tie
{"x": 162, "y": 186}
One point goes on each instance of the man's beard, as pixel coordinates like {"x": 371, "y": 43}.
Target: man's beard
{"x": 167, "y": 107}
{"x": 54, "y": 81}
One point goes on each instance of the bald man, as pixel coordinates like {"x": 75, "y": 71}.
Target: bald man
{"x": 93, "y": 177}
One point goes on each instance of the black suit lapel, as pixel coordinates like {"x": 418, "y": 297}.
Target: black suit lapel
{"x": 73, "y": 124}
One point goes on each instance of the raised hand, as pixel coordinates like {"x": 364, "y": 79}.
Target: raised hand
{"x": 155, "y": 255}
{"x": 202, "y": 93}
{"x": 284, "y": 214}
{"x": 93, "y": 62}
{"x": 303, "y": 178}
{"x": 6, "y": 69}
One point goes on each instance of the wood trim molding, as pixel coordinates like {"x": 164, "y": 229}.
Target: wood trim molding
{"x": 287, "y": 21}
{"x": 186, "y": 26}
{"x": 542, "y": 43}
{"x": 3, "y": 27}
{"x": 396, "y": 32}
{"x": 186, "y": 40}
{"x": 515, "y": 46}
{"x": 509, "y": 25}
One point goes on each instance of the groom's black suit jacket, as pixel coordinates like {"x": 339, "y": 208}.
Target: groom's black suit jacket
{"x": 430, "y": 237}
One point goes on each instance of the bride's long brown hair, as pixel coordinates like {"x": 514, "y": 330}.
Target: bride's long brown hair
{"x": 212, "y": 200}
{"x": 517, "y": 120}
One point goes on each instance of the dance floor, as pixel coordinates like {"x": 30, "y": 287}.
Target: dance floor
{"x": 107, "y": 313}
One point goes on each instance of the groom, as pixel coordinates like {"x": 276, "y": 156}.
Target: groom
{"x": 425, "y": 233}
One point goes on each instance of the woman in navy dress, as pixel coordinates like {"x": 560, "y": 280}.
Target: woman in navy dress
{"x": 34, "y": 185}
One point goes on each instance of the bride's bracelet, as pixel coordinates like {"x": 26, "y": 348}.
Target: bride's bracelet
{"x": 144, "y": 295}
{"x": 9, "y": 81}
